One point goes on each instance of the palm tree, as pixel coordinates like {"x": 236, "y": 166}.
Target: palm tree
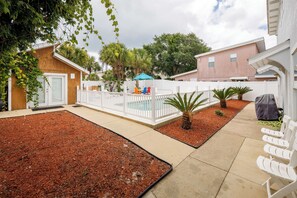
{"x": 139, "y": 61}
{"x": 115, "y": 55}
{"x": 223, "y": 95}
{"x": 186, "y": 106}
{"x": 240, "y": 91}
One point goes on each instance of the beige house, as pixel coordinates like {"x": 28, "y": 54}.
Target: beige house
{"x": 227, "y": 64}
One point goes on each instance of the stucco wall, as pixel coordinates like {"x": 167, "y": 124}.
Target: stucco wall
{"x": 48, "y": 64}
{"x": 187, "y": 77}
{"x": 224, "y": 69}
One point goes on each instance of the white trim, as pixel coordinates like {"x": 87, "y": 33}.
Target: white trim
{"x": 65, "y": 75}
{"x": 295, "y": 84}
{"x": 259, "y": 60}
{"x": 273, "y": 12}
{"x": 185, "y": 73}
{"x": 9, "y": 92}
{"x": 81, "y": 80}
{"x": 239, "y": 78}
{"x": 264, "y": 76}
{"x": 259, "y": 41}
{"x": 69, "y": 62}
{"x": 294, "y": 49}
{"x": 66, "y": 83}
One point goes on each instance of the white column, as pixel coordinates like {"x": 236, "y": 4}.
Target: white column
{"x": 153, "y": 90}
{"x": 77, "y": 94}
{"x": 9, "y": 92}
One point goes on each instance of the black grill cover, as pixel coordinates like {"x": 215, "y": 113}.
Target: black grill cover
{"x": 266, "y": 108}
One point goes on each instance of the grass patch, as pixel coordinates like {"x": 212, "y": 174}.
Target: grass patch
{"x": 275, "y": 125}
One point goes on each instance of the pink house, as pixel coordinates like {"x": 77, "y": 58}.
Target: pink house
{"x": 227, "y": 64}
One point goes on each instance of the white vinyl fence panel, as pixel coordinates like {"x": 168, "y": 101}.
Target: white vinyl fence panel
{"x": 150, "y": 108}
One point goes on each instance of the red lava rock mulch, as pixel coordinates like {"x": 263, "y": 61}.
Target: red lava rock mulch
{"x": 62, "y": 155}
{"x": 205, "y": 124}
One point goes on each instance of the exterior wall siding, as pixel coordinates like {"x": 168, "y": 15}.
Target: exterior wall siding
{"x": 224, "y": 69}
{"x": 287, "y": 25}
{"x": 48, "y": 64}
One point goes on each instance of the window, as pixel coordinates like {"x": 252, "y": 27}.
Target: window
{"x": 233, "y": 57}
{"x": 211, "y": 61}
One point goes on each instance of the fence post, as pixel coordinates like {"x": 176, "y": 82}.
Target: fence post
{"x": 196, "y": 89}
{"x": 125, "y": 100}
{"x": 102, "y": 96}
{"x": 87, "y": 94}
{"x": 153, "y": 90}
{"x": 178, "y": 89}
{"x": 209, "y": 95}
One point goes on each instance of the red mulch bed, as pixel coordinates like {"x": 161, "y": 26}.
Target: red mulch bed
{"x": 62, "y": 155}
{"x": 205, "y": 124}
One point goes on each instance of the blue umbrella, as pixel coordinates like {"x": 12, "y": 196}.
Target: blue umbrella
{"x": 143, "y": 76}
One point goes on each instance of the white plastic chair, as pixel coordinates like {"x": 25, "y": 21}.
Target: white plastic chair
{"x": 286, "y": 141}
{"x": 279, "y": 134}
{"x": 281, "y": 173}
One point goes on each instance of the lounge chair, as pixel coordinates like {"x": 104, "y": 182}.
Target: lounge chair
{"x": 144, "y": 91}
{"x": 281, "y": 173}
{"x": 148, "y": 90}
{"x": 136, "y": 90}
{"x": 282, "y": 153}
{"x": 280, "y": 134}
{"x": 286, "y": 140}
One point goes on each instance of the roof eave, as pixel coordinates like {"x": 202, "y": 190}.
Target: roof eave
{"x": 70, "y": 63}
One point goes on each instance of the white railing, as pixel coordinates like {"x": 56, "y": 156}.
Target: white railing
{"x": 147, "y": 108}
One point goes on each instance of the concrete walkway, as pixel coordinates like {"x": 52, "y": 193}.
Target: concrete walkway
{"x": 225, "y": 166}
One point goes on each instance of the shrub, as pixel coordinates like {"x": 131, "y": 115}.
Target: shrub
{"x": 240, "y": 91}
{"x": 219, "y": 113}
{"x": 186, "y": 106}
{"x": 223, "y": 95}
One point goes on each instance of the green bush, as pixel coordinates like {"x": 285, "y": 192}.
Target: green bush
{"x": 219, "y": 113}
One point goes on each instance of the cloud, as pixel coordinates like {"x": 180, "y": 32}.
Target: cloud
{"x": 218, "y": 22}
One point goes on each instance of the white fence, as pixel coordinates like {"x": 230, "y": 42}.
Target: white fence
{"x": 166, "y": 86}
{"x": 148, "y": 109}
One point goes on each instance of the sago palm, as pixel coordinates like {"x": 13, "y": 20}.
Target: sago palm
{"x": 186, "y": 106}
{"x": 223, "y": 95}
{"x": 240, "y": 91}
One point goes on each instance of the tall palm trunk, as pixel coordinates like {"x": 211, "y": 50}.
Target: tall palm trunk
{"x": 187, "y": 121}
{"x": 223, "y": 103}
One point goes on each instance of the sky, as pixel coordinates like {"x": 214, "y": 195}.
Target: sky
{"x": 219, "y": 23}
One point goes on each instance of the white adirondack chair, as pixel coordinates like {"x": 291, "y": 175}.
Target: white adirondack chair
{"x": 286, "y": 141}
{"x": 281, "y": 173}
{"x": 279, "y": 134}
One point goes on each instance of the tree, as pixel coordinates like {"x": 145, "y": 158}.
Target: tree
{"x": 240, "y": 91}
{"x": 223, "y": 95}
{"x": 174, "y": 53}
{"x": 24, "y": 22}
{"x": 111, "y": 82}
{"x": 79, "y": 56}
{"x": 115, "y": 55}
{"x": 186, "y": 106}
{"x": 139, "y": 61}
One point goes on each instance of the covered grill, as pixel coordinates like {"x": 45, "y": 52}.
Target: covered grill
{"x": 266, "y": 108}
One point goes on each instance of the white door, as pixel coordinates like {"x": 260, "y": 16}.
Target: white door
{"x": 56, "y": 91}
{"x": 53, "y": 92}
